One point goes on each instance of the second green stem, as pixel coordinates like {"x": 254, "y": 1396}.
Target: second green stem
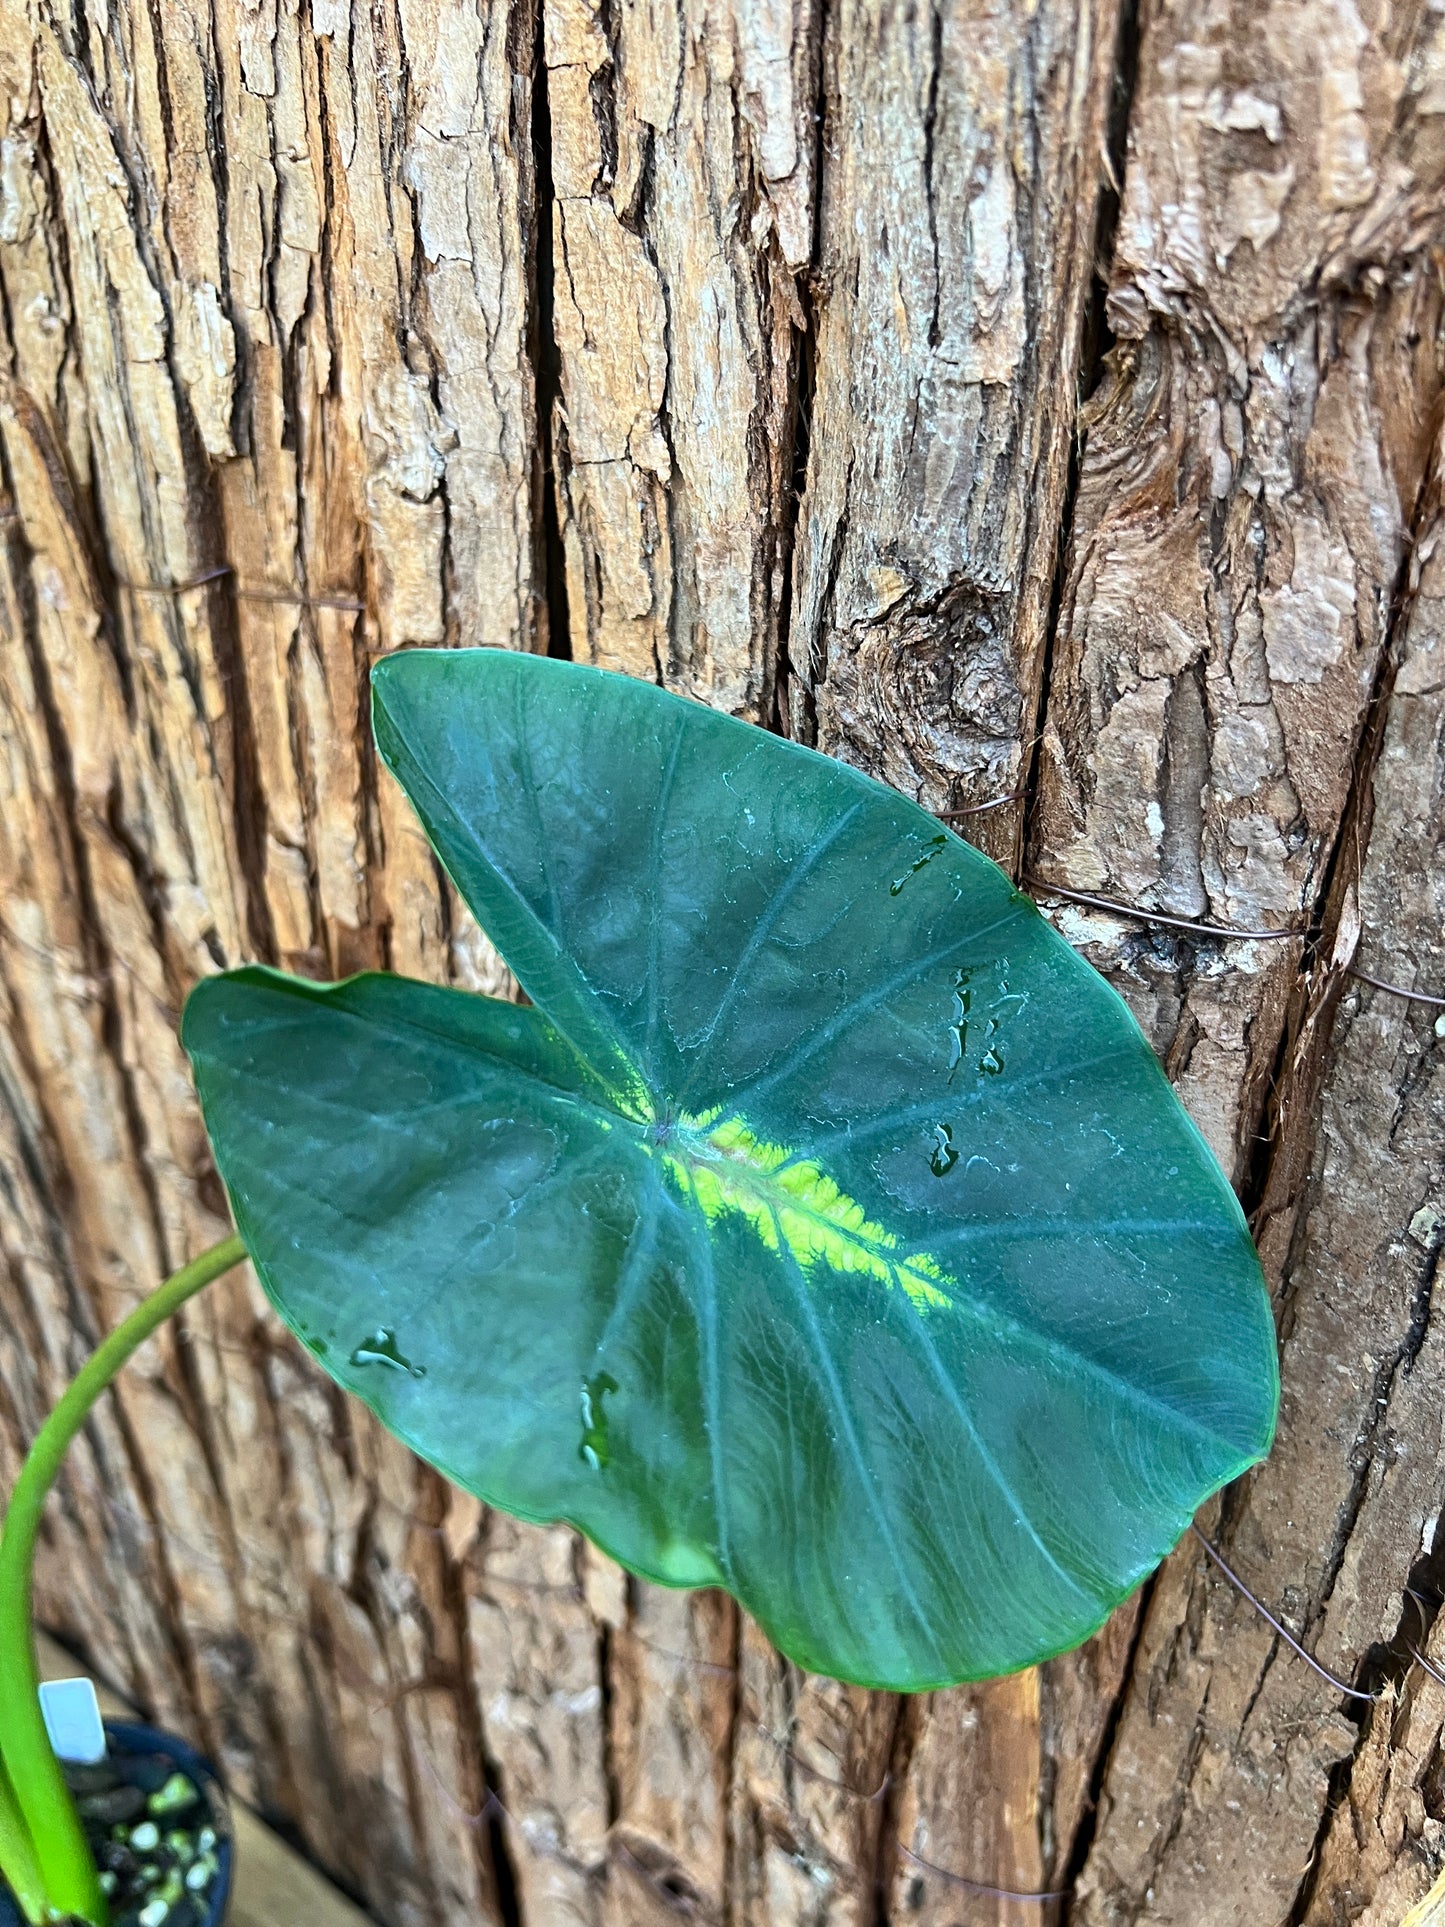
{"x": 66, "y": 1866}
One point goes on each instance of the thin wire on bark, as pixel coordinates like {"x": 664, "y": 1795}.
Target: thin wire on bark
{"x": 242, "y": 593}
{"x": 1397, "y": 990}
{"x": 1038, "y": 886}
{"x": 1192, "y": 924}
{"x": 978, "y": 809}
{"x": 982, "y": 1886}
{"x": 1351, "y": 1692}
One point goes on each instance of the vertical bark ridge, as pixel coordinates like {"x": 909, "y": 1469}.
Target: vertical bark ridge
{"x": 547, "y": 362}
{"x": 682, "y": 161}
{"x": 1361, "y": 1458}
{"x": 311, "y": 431}
{"x": 1261, "y": 417}
{"x": 54, "y": 775}
{"x": 1094, "y": 346}
{"x": 958, "y": 219}
{"x": 1386, "y": 1755}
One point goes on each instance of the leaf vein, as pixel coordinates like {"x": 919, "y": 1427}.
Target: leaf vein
{"x": 849, "y": 1434}
{"x": 787, "y": 886}
{"x": 814, "y": 1041}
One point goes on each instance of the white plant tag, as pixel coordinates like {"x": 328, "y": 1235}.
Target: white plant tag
{"x": 72, "y": 1719}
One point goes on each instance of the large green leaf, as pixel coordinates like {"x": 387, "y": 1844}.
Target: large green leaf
{"x": 828, "y": 1231}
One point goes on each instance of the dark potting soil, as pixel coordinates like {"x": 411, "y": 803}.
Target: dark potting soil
{"x": 155, "y": 1836}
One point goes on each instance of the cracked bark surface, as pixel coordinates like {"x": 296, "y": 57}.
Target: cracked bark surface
{"x": 1257, "y": 497}
{"x": 749, "y": 346}
{"x": 964, "y": 147}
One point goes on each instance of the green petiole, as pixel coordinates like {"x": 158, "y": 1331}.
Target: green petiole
{"x": 18, "y": 1864}
{"x": 43, "y": 1852}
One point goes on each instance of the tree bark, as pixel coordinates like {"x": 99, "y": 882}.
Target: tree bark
{"x": 1037, "y": 403}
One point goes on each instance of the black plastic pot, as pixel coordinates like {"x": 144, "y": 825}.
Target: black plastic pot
{"x": 127, "y": 1739}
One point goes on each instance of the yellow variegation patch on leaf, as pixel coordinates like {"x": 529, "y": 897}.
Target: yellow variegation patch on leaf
{"x": 792, "y": 1203}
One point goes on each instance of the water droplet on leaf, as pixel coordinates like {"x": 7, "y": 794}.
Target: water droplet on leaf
{"x": 382, "y": 1349}
{"x": 991, "y": 1063}
{"x": 958, "y": 1029}
{"x": 935, "y": 844}
{"x": 943, "y": 1157}
{"x": 594, "y": 1449}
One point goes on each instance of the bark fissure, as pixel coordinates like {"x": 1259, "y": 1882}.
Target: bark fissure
{"x": 82, "y": 1324}
{"x": 793, "y": 709}
{"x": 546, "y": 360}
{"x": 1302, "y": 1056}
{"x": 1066, "y": 1867}
{"x": 884, "y": 1870}
{"x": 1384, "y": 1666}
{"x": 99, "y": 960}
{"x": 484, "y": 1787}
{"x": 1095, "y": 342}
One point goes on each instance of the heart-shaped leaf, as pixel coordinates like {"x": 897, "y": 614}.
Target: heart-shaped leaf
{"x": 827, "y": 1232}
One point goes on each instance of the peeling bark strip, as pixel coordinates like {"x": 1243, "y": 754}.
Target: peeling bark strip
{"x": 1373, "y": 1226}
{"x": 279, "y": 286}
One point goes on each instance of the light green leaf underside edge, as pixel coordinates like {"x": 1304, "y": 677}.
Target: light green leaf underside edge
{"x": 868, "y": 1406}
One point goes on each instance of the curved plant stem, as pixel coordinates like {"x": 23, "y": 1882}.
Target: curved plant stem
{"x": 17, "y": 1857}
{"x": 65, "y": 1865}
